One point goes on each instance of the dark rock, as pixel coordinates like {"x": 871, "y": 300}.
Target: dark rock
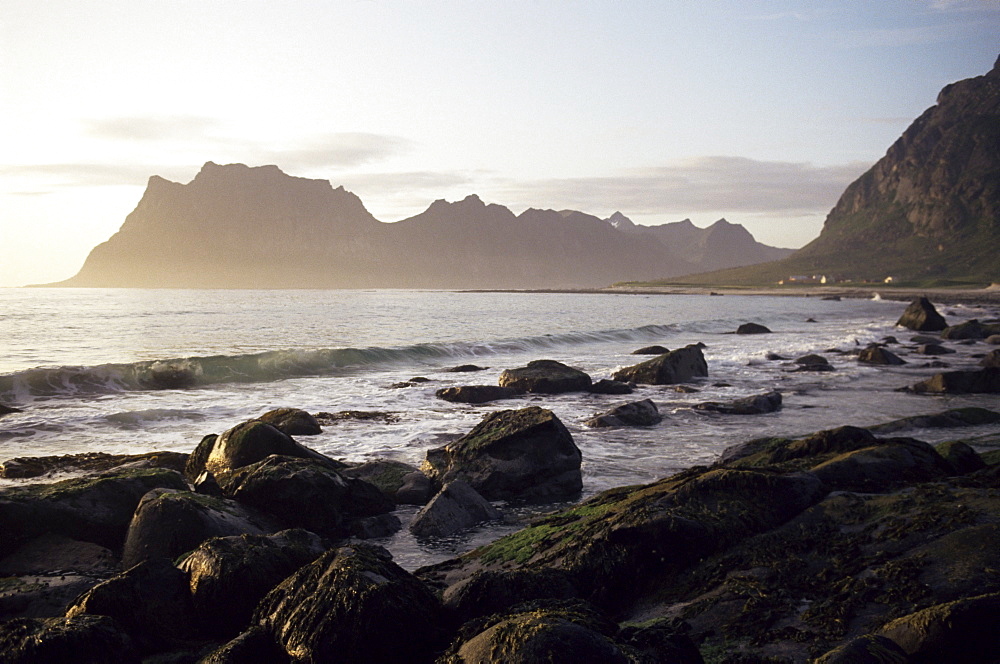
{"x": 636, "y": 414}
{"x": 353, "y": 604}
{"x": 195, "y": 466}
{"x": 545, "y": 377}
{"x": 752, "y": 328}
{"x": 512, "y": 454}
{"x": 893, "y": 463}
{"x": 476, "y": 393}
{"x": 963, "y": 631}
{"x": 456, "y": 507}
{"x": 7, "y": 410}
{"x": 169, "y": 522}
{"x": 661, "y": 641}
{"x": 389, "y": 476}
{"x": 992, "y": 359}
{"x": 972, "y": 329}
{"x": 304, "y": 493}
{"x": 752, "y": 405}
{"x": 933, "y": 349}
{"x": 764, "y": 452}
{"x": 924, "y": 339}
{"x": 362, "y": 415}
{"x": 370, "y": 527}
{"x": 677, "y": 366}
{"x": 810, "y": 320}
{"x": 651, "y": 350}
{"x": 228, "y": 576}
{"x": 250, "y": 442}
{"x": 867, "y": 649}
{"x": 685, "y": 389}
{"x": 831, "y": 298}
{"x": 416, "y": 489}
{"x": 254, "y": 646}
{"x": 993, "y": 339}
{"x": 151, "y": 602}
{"x": 91, "y": 509}
{"x": 956, "y": 417}
{"x": 91, "y": 639}
{"x": 922, "y": 317}
{"x": 880, "y": 356}
{"x": 89, "y": 462}
{"x": 496, "y": 591}
{"x": 961, "y": 382}
{"x": 963, "y": 459}
{"x": 292, "y": 421}
{"x": 774, "y": 357}
{"x": 813, "y": 362}
{"x": 465, "y": 368}
{"x": 606, "y": 386}
{"x": 890, "y": 340}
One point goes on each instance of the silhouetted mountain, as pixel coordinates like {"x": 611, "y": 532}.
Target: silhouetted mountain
{"x": 239, "y": 227}
{"x": 928, "y": 211}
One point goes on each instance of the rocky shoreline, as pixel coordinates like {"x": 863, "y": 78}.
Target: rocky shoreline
{"x": 847, "y": 545}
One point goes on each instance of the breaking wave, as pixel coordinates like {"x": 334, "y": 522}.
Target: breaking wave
{"x": 193, "y": 372}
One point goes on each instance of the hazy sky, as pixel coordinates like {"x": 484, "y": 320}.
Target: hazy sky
{"x": 761, "y": 112}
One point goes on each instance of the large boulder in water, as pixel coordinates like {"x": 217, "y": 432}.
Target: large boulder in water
{"x": 512, "y": 454}
{"x": 922, "y": 316}
{"x": 292, "y": 421}
{"x": 253, "y": 441}
{"x": 635, "y": 413}
{"x": 456, "y": 507}
{"x": 756, "y": 404}
{"x": 228, "y": 576}
{"x": 971, "y": 329}
{"x": 961, "y": 382}
{"x": 752, "y": 328}
{"x": 879, "y": 356}
{"x": 677, "y": 366}
{"x": 353, "y": 604}
{"x": 545, "y": 377}
{"x": 476, "y": 393}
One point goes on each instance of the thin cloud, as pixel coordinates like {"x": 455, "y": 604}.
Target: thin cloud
{"x": 153, "y": 128}
{"x": 334, "y": 151}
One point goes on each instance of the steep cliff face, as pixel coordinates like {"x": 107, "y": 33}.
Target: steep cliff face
{"x": 931, "y": 205}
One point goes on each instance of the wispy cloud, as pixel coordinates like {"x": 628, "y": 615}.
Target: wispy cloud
{"x": 334, "y": 151}
{"x": 153, "y": 128}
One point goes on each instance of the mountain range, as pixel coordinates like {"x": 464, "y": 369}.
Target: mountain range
{"x": 235, "y": 226}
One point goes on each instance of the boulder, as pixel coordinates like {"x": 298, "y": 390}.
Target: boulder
{"x": 880, "y": 356}
{"x": 962, "y": 458}
{"x": 151, "y": 601}
{"x": 992, "y": 359}
{"x": 763, "y": 452}
{"x": 651, "y": 350}
{"x": 813, "y": 362}
{"x": 254, "y": 645}
{"x": 195, "y": 466}
{"x": 252, "y": 441}
{"x": 89, "y": 462}
{"x": 606, "y": 386}
{"x": 993, "y": 340}
{"x": 512, "y": 454}
{"x": 496, "y": 591}
{"x": 867, "y": 649}
{"x": 677, "y": 366}
{"x": 395, "y": 479}
{"x": 456, "y": 507}
{"x": 636, "y": 413}
{"x": 756, "y": 404}
{"x": 7, "y": 410}
{"x": 304, "y": 493}
{"x": 353, "y": 604}
{"x": 476, "y": 393}
{"x": 922, "y": 317}
{"x": 465, "y": 368}
{"x": 228, "y": 576}
{"x": 963, "y": 631}
{"x": 292, "y": 421}
{"x": 983, "y": 381}
{"x": 91, "y": 639}
{"x": 933, "y": 349}
{"x": 169, "y": 522}
{"x": 752, "y": 328}
{"x": 893, "y": 463}
{"x": 971, "y": 329}
{"x": 924, "y": 339}
{"x": 545, "y": 377}
{"x": 91, "y": 509}
{"x": 416, "y": 489}
{"x": 949, "y": 419}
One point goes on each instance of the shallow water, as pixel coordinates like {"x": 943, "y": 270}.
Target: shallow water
{"x": 130, "y": 371}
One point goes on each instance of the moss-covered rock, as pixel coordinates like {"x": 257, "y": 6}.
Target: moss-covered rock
{"x": 963, "y": 459}
{"x": 92, "y": 639}
{"x": 890, "y": 464}
{"x": 676, "y": 366}
{"x": 545, "y": 377}
{"x": 89, "y": 462}
{"x": 395, "y": 479}
{"x": 956, "y": 417}
{"x": 353, "y": 604}
{"x": 252, "y": 441}
{"x": 292, "y": 421}
{"x": 512, "y": 454}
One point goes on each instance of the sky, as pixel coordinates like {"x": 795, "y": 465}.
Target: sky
{"x": 759, "y": 112}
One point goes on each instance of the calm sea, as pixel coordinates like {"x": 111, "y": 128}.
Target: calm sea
{"x": 130, "y": 371}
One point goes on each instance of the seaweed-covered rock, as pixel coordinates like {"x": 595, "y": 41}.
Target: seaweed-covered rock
{"x": 476, "y": 393}
{"x": 89, "y": 462}
{"x": 304, "y": 493}
{"x": 960, "y": 382}
{"x": 756, "y": 404}
{"x": 606, "y": 386}
{"x": 677, "y": 366}
{"x": 893, "y": 463}
{"x": 496, "y": 591}
{"x": 353, "y": 604}
{"x": 922, "y": 317}
{"x": 397, "y": 480}
{"x": 168, "y": 523}
{"x": 91, "y": 639}
{"x": 92, "y": 509}
{"x": 545, "y": 377}
{"x": 253, "y": 441}
{"x": 228, "y": 576}
{"x": 512, "y": 454}
{"x": 955, "y": 417}
{"x": 752, "y": 328}
{"x": 292, "y": 421}
{"x": 963, "y": 459}
{"x": 151, "y": 602}
{"x": 963, "y": 631}
{"x": 253, "y": 645}
{"x": 867, "y": 649}
{"x": 764, "y": 452}
{"x": 636, "y": 413}
{"x": 971, "y": 329}
{"x": 879, "y": 356}
{"x": 456, "y": 507}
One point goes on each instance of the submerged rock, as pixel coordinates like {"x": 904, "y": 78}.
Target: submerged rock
{"x": 752, "y": 328}
{"x": 636, "y": 413}
{"x": 933, "y": 349}
{"x": 677, "y": 366}
{"x": 922, "y": 317}
{"x": 651, "y": 350}
{"x": 512, "y": 454}
{"x": 753, "y": 405}
{"x": 545, "y": 377}
{"x": 476, "y": 393}
{"x": 606, "y": 386}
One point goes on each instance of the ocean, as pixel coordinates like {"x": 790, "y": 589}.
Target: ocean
{"x": 130, "y": 371}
